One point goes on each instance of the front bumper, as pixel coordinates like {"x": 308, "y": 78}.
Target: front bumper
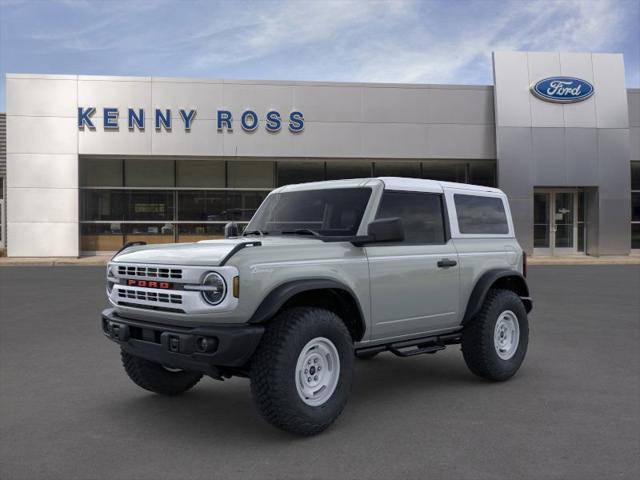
{"x": 200, "y": 349}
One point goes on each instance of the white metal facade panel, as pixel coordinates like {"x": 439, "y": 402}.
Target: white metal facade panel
{"x": 582, "y": 144}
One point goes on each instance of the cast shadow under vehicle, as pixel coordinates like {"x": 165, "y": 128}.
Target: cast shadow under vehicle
{"x": 224, "y": 411}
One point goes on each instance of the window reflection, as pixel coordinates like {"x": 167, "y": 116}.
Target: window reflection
{"x": 299, "y": 172}
{"x": 397, "y": 169}
{"x": 158, "y": 200}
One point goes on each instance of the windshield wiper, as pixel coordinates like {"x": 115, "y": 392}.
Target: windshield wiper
{"x": 255, "y": 232}
{"x": 301, "y": 231}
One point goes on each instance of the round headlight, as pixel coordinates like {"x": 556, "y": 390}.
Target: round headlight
{"x": 216, "y": 288}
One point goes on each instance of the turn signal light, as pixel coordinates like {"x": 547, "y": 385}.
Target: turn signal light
{"x": 236, "y": 287}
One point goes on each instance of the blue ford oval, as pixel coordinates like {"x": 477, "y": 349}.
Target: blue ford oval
{"x": 562, "y": 89}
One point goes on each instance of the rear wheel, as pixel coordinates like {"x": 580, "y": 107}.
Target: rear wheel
{"x": 302, "y": 370}
{"x": 158, "y": 378}
{"x": 495, "y": 342}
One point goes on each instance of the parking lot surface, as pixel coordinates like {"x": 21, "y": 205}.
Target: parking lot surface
{"x": 68, "y": 411}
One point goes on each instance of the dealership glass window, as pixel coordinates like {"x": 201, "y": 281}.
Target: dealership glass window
{"x": 482, "y": 173}
{"x": 541, "y": 229}
{"x": 200, "y": 173}
{"x": 203, "y": 194}
{"x": 102, "y": 205}
{"x": 635, "y": 205}
{"x": 194, "y": 232}
{"x": 635, "y": 236}
{"x": 345, "y": 169}
{"x": 101, "y": 237}
{"x": 582, "y": 223}
{"x": 101, "y": 172}
{"x": 480, "y": 215}
{"x": 422, "y": 215}
{"x": 397, "y": 169}
{"x": 635, "y": 175}
{"x": 242, "y": 174}
{"x": 149, "y": 232}
{"x": 149, "y": 173}
{"x": 201, "y": 205}
{"x": 149, "y": 205}
{"x": 447, "y": 171}
{"x": 241, "y": 205}
{"x": 299, "y": 172}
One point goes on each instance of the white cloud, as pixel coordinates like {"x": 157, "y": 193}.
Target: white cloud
{"x": 570, "y": 25}
{"x": 419, "y": 41}
{"x": 257, "y": 32}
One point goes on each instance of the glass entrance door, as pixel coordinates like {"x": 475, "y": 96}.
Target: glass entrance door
{"x": 555, "y": 222}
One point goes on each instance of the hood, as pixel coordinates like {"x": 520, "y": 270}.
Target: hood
{"x": 206, "y": 252}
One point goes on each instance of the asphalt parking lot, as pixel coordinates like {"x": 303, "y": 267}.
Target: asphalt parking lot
{"x": 68, "y": 411}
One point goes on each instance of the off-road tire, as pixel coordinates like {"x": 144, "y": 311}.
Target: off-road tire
{"x": 478, "y": 337}
{"x": 273, "y": 370}
{"x": 156, "y": 378}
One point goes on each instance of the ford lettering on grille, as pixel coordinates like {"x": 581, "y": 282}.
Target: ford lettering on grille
{"x": 148, "y": 284}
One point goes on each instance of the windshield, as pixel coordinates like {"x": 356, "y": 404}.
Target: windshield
{"x": 331, "y": 212}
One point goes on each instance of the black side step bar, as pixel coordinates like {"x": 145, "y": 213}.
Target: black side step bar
{"x": 416, "y": 346}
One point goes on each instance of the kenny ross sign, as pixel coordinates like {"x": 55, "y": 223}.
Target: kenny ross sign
{"x": 562, "y": 89}
{"x": 162, "y": 119}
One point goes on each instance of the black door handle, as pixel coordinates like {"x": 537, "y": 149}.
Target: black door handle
{"x": 446, "y": 263}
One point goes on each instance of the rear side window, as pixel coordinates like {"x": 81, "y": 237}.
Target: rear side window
{"x": 421, "y": 214}
{"x": 483, "y": 215}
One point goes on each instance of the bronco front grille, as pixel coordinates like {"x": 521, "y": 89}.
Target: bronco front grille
{"x": 149, "y": 272}
{"x": 160, "y": 297}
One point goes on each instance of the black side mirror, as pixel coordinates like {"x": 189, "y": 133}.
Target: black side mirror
{"x": 385, "y": 230}
{"x": 231, "y": 230}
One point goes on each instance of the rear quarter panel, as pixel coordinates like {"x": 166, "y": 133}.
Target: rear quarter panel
{"x": 479, "y": 253}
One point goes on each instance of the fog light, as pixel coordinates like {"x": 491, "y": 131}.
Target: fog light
{"x": 206, "y": 344}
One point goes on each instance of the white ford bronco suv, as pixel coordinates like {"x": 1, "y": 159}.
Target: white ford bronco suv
{"x": 323, "y": 274}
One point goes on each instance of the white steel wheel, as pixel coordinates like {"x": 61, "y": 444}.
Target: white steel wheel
{"x": 317, "y": 371}
{"x": 506, "y": 335}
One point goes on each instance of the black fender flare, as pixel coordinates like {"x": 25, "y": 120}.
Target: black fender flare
{"x": 512, "y": 280}
{"x": 277, "y": 297}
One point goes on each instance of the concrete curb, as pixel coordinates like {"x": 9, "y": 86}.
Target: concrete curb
{"x": 586, "y": 260}
{"x": 54, "y": 262}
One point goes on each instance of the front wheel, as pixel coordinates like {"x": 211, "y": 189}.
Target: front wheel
{"x": 158, "y": 378}
{"x": 302, "y": 371}
{"x": 495, "y": 342}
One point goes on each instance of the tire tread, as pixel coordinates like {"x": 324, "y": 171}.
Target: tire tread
{"x": 477, "y": 338}
{"x": 268, "y": 387}
{"x": 151, "y": 376}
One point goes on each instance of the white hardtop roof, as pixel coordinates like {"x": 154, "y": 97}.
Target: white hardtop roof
{"x": 390, "y": 183}
{"x": 402, "y": 183}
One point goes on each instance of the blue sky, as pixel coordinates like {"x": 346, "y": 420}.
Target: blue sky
{"x": 438, "y": 41}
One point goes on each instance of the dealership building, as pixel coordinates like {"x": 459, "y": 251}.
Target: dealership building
{"x": 94, "y": 162}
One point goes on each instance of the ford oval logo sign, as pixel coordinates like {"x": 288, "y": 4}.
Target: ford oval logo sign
{"x": 562, "y": 89}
